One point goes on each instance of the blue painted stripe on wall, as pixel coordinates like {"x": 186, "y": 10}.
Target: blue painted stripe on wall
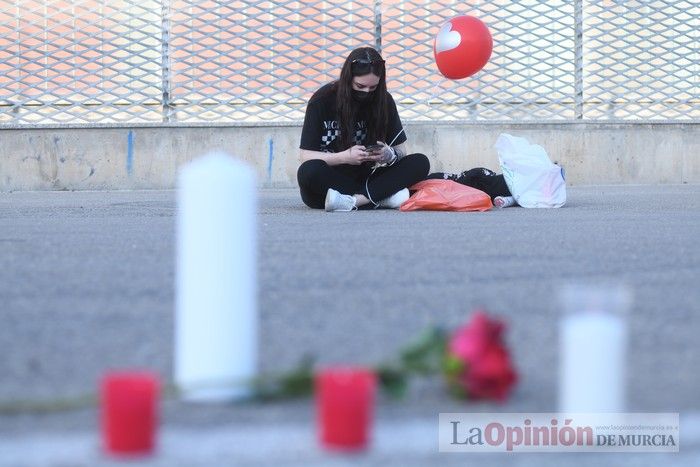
{"x": 130, "y": 152}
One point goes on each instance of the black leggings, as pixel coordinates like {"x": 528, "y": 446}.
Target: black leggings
{"x": 315, "y": 177}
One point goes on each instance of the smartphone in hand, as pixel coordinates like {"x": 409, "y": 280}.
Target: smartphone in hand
{"x": 374, "y": 148}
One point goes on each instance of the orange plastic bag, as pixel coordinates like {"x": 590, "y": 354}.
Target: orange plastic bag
{"x": 446, "y": 195}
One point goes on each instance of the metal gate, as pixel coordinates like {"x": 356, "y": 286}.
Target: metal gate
{"x": 248, "y": 62}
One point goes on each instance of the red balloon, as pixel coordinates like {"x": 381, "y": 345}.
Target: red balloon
{"x": 462, "y": 47}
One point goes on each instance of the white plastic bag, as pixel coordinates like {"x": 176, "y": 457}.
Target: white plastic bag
{"x": 532, "y": 178}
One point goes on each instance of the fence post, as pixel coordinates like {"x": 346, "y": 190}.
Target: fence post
{"x": 378, "y": 25}
{"x": 578, "y": 59}
{"x": 165, "y": 59}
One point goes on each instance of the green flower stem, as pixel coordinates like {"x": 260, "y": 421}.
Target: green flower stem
{"x": 423, "y": 357}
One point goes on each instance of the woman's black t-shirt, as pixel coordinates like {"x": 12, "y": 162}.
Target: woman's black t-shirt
{"x": 322, "y": 128}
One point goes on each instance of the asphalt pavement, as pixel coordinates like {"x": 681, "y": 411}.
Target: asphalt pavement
{"x": 86, "y": 285}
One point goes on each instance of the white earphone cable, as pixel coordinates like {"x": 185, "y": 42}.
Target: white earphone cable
{"x": 376, "y": 205}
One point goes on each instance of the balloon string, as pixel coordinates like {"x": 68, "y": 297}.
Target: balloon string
{"x": 434, "y": 95}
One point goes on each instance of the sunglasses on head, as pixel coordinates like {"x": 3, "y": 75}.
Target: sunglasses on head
{"x": 362, "y": 65}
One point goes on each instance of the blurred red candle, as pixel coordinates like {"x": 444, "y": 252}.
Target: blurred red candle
{"x": 345, "y": 405}
{"x": 129, "y": 412}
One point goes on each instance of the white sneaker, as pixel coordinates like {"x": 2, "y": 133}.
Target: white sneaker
{"x": 396, "y": 200}
{"x": 503, "y": 201}
{"x": 336, "y": 201}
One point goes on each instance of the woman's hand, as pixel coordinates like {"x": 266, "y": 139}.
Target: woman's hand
{"x": 357, "y": 154}
{"x": 387, "y": 155}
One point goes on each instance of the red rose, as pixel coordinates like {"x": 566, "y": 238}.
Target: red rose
{"x": 484, "y": 370}
{"x": 491, "y": 376}
{"x": 469, "y": 341}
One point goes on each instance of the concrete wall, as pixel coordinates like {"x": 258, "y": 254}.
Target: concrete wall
{"x": 148, "y": 157}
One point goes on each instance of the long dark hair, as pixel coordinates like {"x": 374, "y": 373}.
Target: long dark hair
{"x": 376, "y": 113}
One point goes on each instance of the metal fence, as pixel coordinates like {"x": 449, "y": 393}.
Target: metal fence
{"x": 246, "y": 61}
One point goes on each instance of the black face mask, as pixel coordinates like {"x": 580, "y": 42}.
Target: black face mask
{"x": 362, "y": 96}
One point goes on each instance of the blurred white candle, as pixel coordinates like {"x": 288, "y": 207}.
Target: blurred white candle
{"x": 216, "y": 315}
{"x": 593, "y": 347}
